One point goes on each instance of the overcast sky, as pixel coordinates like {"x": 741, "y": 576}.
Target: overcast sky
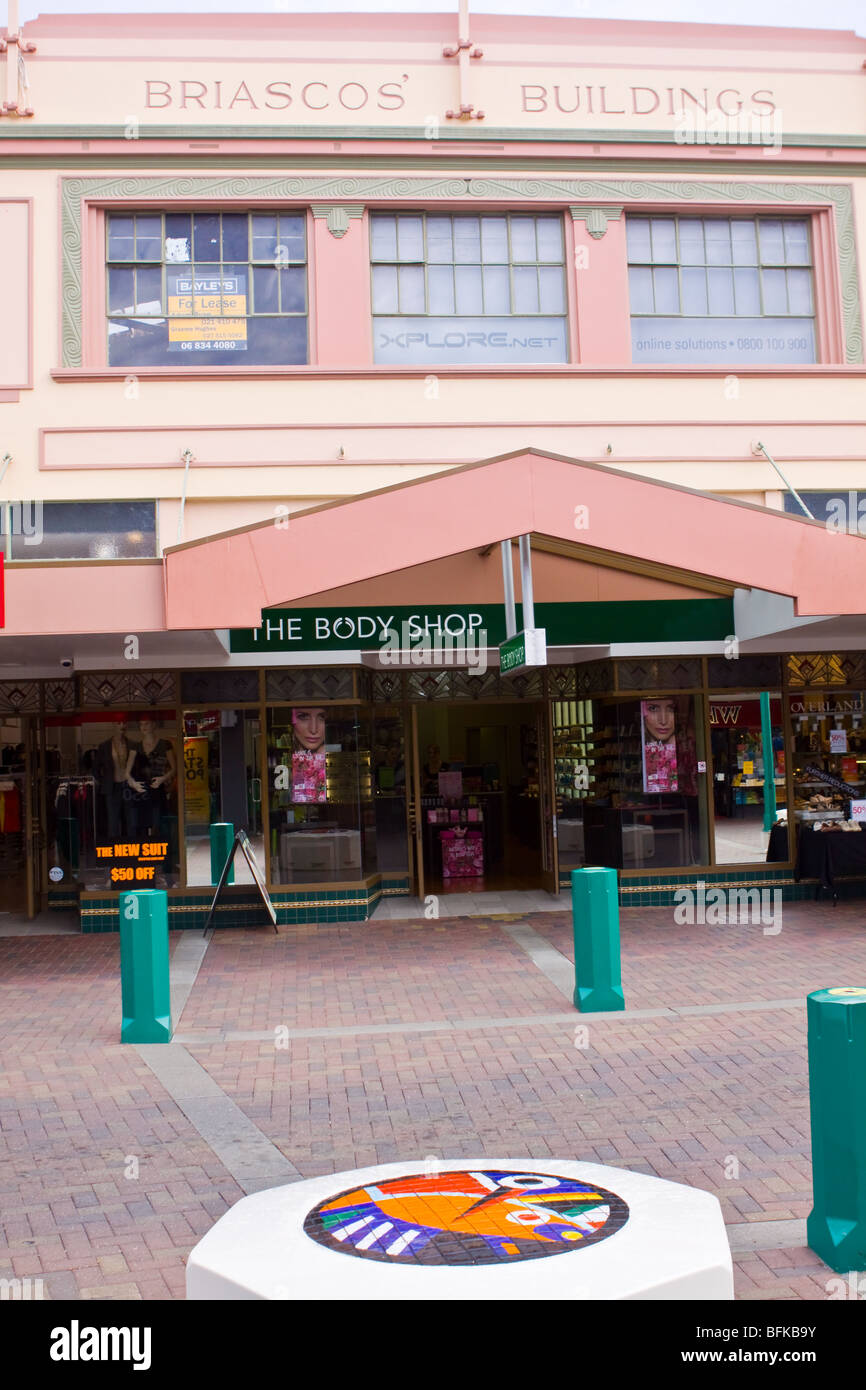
{"x": 805, "y": 14}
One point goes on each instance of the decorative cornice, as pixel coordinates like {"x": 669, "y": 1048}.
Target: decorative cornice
{"x": 596, "y": 219}
{"x": 398, "y": 188}
{"x": 493, "y": 134}
{"x": 338, "y": 215}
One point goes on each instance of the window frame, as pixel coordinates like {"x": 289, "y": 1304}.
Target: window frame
{"x": 830, "y": 327}
{"x": 759, "y": 265}
{"x": 95, "y": 264}
{"x": 567, "y": 314}
{"x": 6, "y": 506}
{"x": 251, "y": 264}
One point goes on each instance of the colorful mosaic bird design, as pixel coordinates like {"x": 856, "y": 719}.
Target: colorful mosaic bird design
{"x": 467, "y": 1217}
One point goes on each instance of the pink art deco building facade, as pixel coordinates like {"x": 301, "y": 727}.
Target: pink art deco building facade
{"x": 322, "y": 332}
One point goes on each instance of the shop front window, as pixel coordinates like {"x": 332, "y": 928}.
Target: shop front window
{"x": 740, "y": 769}
{"x": 828, "y": 754}
{"x": 631, "y": 780}
{"x": 222, "y": 783}
{"x": 389, "y": 790}
{"x": 13, "y": 815}
{"x": 322, "y": 819}
{"x": 111, "y": 788}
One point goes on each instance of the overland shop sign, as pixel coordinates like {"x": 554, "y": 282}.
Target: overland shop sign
{"x": 567, "y": 624}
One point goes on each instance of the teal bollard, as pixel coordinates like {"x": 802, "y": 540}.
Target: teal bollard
{"x": 222, "y": 836}
{"x": 595, "y": 920}
{"x": 144, "y": 981}
{"x": 836, "y": 1226}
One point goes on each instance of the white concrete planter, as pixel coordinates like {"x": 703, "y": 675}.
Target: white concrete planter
{"x": 469, "y": 1230}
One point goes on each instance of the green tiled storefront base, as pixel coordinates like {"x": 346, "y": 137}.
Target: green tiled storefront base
{"x": 310, "y": 904}
{"x": 657, "y": 890}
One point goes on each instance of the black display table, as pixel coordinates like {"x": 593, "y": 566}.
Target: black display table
{"x": 777, "y": 849}
{"x": 828, "y": 855}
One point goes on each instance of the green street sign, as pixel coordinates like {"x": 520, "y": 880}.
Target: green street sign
{"x": 512, "y": 654}
{"x": 527, "y": 648}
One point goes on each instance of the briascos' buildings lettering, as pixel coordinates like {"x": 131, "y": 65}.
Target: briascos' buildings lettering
{"x": 230, "y": 94}
{"x": 567, "y": 96}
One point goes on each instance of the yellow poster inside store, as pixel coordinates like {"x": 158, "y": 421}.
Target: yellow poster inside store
{"x": 196, "y": 790}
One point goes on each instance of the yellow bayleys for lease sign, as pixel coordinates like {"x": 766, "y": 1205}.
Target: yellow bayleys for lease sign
{"x": 214, "y": 298}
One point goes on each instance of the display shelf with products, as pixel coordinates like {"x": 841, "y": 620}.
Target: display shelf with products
{"x": 828, "y": 755}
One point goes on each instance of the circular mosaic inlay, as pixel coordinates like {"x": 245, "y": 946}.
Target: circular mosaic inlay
{"x": 463, "y": 1217}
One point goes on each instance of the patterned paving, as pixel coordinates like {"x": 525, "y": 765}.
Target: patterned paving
{"x": 106, "y": 1183}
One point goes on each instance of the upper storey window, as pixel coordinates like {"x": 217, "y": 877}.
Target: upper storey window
{"x": 468, "y": 289}
{"x": 198, "y": 288}
{"x": 721, "y": 289}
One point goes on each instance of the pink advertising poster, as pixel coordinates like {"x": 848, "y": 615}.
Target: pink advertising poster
{"x": 658, "y": 744}
{"x": 451, "y": 784}
{"x": 308, "y": 754}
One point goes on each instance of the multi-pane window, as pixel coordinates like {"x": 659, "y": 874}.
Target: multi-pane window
{"x": 464, "y": 289}
{"x": 78, "y": 530}
{"x": 721, "y": 289}
{"x": 195, "y": 288}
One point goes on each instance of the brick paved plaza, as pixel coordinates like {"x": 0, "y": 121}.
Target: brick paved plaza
{"x": 331, "y": 1047}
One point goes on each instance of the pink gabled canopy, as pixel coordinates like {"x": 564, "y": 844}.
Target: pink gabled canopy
{"x": 227, "y": 580}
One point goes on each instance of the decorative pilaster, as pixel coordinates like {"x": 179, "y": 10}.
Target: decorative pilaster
{"x": 596, "y": 219}
{"x": 340, "y": 329}
{"x": 338, "y": 215}
{"x": 601, "y": 285}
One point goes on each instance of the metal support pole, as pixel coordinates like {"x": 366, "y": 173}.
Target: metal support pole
{"x": 759, "y": 448}
{"x": 508, "y": 588}
{"x": 526, "y": 583}
{"x": 769, "y": 762}
{"x": 186, "y": 459}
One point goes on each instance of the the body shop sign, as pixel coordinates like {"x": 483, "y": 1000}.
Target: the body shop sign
{"x": 483, "y": 625}
{"x": 329, "y": 629}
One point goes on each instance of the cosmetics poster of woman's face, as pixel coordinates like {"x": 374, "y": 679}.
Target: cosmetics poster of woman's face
{"x": 659, "y": 744}
{"x": 308, "y": 754}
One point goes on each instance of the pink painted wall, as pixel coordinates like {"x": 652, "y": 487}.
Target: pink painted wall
{"x": 44, "y": 599}
{"x": 16, "y": 258}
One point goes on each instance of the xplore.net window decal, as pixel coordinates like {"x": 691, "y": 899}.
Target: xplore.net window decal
{"x": 194, "y": 289}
